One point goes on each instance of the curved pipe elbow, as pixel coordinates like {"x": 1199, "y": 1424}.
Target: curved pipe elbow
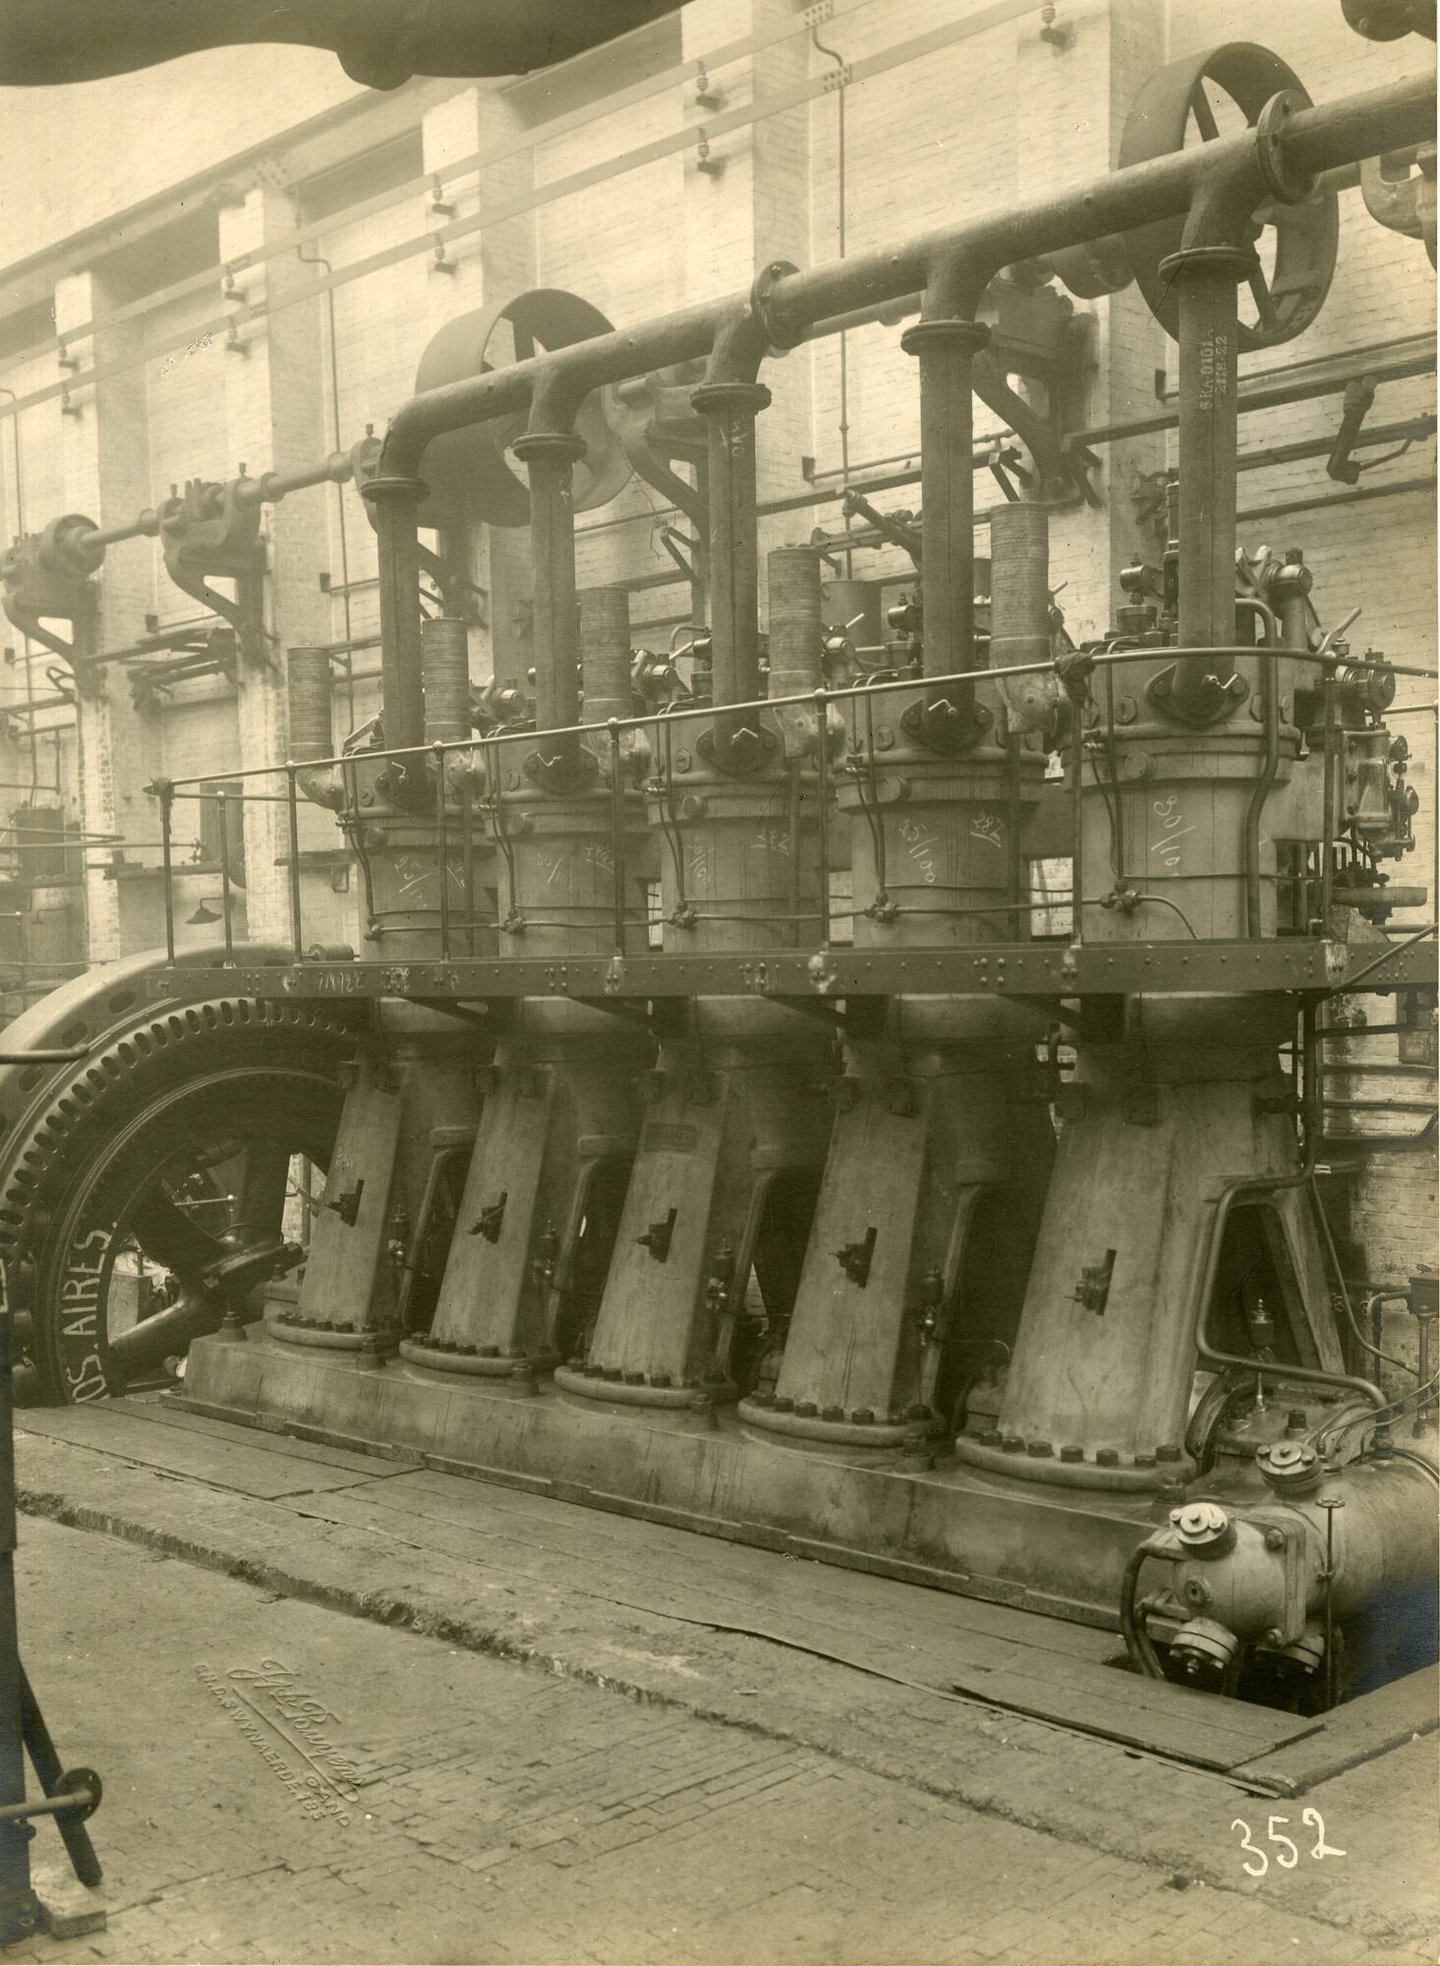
{"x": 322, "y": 785}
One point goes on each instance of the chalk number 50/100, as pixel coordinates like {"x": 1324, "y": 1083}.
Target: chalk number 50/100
{"x": 1311, "y": 1818}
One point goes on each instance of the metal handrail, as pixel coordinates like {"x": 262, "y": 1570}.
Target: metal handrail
{"x": 827, "y": 698}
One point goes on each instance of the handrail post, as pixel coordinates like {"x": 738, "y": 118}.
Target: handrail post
{"x": 293, "y": 819}
{"x": 224, "y": 827}
{"x": 617, "y": 832}
{"x": 167, "y": 797}
{"x": 442, "y": 849}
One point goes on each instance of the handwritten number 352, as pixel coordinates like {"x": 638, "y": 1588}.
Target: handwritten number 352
{"x": 1312, "y": 1820}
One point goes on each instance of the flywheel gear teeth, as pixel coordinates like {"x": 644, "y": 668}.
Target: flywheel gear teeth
{"x": 29, "y": 1161}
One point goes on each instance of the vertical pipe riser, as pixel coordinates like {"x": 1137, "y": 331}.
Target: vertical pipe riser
{"x": 730, "y": 409}
{"x": 1208, "y": 446}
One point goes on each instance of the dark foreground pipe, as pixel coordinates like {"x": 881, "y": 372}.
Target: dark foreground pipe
{"x": 379, "y": 43}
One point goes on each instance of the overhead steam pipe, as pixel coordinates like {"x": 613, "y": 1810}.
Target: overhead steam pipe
{"x": 1310, "y": 141}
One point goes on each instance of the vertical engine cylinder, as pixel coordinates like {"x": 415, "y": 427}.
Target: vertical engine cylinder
{"x": 795, "y": 624}
{"x": 1019, "y": 584}
{"x": 307, "y": 674}
{"x": 605, "y": 652}
{"x": 445, "y": 666}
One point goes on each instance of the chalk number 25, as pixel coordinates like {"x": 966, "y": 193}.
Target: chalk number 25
{"x": 1312, "y": 1820}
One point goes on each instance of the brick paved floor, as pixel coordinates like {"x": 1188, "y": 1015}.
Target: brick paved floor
{"x": 500, "y": 1813}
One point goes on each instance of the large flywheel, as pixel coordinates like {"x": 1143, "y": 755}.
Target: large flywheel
{"x": 1195, "y": 101}
{"x": 161, "y": 1185}
{"x": 469, "y": 472}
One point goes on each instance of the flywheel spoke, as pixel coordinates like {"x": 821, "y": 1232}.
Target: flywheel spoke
{"x": 1264, "y": 304}
{"x": 168, "y": 1236}
{"x": 1204, "y": 115}
{"x": 261, "y": 1187}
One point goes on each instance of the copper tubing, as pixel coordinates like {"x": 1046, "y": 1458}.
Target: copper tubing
{"x": 605, "y": 653}
{"x": 445, "y": 667}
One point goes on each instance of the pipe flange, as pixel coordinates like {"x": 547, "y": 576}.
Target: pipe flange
{"x": 549, "y": 446}
{"x": 1290, "y": 187}
{"x": 779, "y": 338}
{"x": 725, "y": 398}
{"x": 1202, "y": 1643}
{"x": 385, "y": 489}
{"x": 1237, "y": 262}
{"x": 71, "y": 541}
{"x": 973, "y": 335}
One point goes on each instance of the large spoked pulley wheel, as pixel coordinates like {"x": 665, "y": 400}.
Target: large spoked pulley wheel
{"x": 163, "y": 1186}
{"x": 469, "y": 472}
{"x": 1196, "y": 101}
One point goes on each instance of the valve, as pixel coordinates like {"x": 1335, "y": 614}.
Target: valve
{"x": 855, "y": 1258}
{"x": 721, "y": 1277}
{"x": 1262, "y": 1328}
{"x": 658, "y": 1237}
{"x": 491, "y": 1219}
{"x": 347, "y": 1204}
{"x": 1093, "y": 1289}
{"x": 547, "y": 1251}
{"x": 1203, "y": 1649}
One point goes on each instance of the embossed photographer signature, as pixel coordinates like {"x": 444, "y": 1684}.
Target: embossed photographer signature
{"x": 269, "y": 1700}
